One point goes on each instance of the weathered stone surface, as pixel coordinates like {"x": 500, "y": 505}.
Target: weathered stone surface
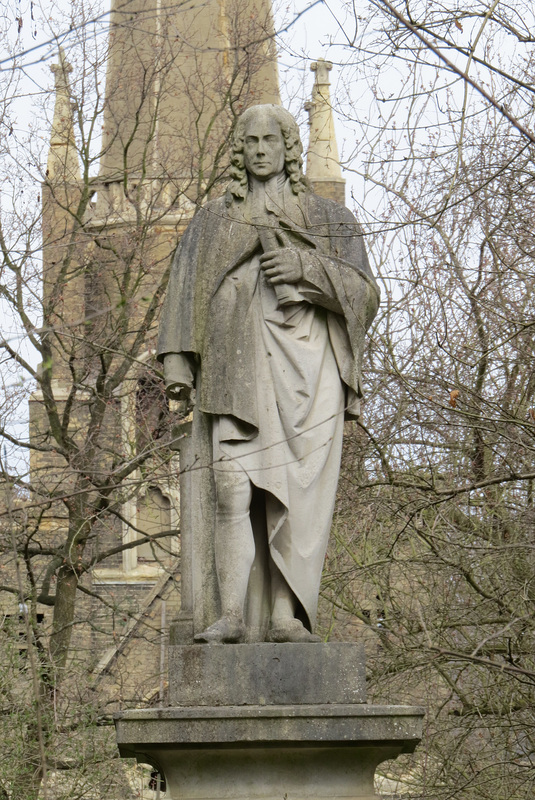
{"x": 301, "y": 752}
{"x": 304, "y": 773}
{"x": 307, "y": 724}
{"x": 264, "y": 674}
{"x": 266, "y": 722}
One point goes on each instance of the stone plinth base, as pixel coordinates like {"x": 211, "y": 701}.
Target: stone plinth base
{"x": 268, "y": 722}
{"x": 266, "y": 674}
{"x": 269, "y": 752}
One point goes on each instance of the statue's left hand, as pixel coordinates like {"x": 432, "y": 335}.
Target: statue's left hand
{"x": 283, "y": 265}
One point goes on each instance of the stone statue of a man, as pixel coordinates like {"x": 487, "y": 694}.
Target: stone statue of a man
{"x": 268, "y": 303}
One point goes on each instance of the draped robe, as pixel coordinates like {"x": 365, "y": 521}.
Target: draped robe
{"x": 275, "y": 377}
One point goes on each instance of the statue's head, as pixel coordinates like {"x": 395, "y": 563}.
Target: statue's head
{"x": 280, "y": 134}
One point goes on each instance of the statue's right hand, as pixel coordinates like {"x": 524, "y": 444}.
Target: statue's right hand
{"x": 179, "y": 378}
{"x": 183, "y": 396}
{"x": 177, "y": 391}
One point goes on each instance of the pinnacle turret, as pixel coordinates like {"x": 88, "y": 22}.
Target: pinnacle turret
{"x": 323, "y": 165}
{"x": 62, "y": 164}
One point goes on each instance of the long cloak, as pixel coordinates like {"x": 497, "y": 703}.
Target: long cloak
{"x": 273, "y": 381}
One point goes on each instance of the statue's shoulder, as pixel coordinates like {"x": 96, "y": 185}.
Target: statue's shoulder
{"x": 213, "y": 212}
{"x": 323, "y": 209}
{"x": 219, "y": 204}
{"x": 210, "y": 208}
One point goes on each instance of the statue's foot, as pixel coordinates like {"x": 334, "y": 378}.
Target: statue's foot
{"x": 291, "y": 630}
{"x": 227, "y": 630}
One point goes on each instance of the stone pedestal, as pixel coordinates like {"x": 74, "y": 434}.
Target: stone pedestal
{"x": 268, "y": 722}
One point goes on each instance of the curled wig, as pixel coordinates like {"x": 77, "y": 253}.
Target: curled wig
{"x": 293, "y": 163}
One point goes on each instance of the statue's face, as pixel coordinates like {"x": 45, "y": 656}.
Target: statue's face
{"x": 264, "y": 147}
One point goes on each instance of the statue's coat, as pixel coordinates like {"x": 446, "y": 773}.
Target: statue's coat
{"x": 210, "y": 326}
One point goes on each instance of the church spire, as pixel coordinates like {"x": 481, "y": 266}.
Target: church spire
{"x": 177, "y": 75}
{"x": 323, "y": 165}
{"x": 62, "y": 164}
